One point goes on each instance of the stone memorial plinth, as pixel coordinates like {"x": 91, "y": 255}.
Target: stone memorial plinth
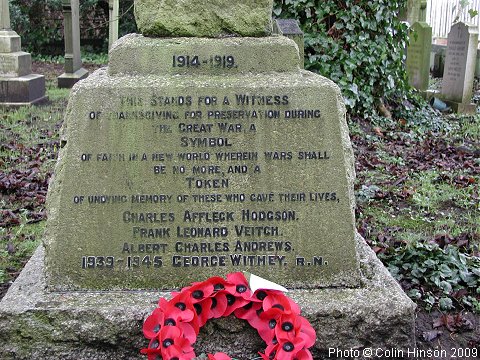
{"x": 18, "y": 86}
{"x": 459, "y": 70}
{"x": 203, "y": 141}
{"x": 418, "y": 56}
{"x": 194, "y": 157}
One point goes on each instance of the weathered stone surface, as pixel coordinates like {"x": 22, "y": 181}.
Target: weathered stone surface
{"x": 35, "y": 324}
{"x": 205, "y": 56}
{"x": 457, "y": 83}
{"x": 22, "y": 90}
{"x": 307, "y": 240}
{"x": 418, "y": 56}
{"x": 15, "y": 64}
{"x": 9, "y": 41}
{"x": 202, "y": 18}
{"x": 413, "y": 11}
{"x": 291, "y": 29}
{"x": 4, "y": 15}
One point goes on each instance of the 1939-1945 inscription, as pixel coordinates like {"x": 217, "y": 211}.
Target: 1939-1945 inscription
{"x": 209, "y": 129}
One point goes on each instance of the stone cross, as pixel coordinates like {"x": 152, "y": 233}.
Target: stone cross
{"x": 113, "y": 6}
{"x": 4, "y": 16}
{"x": 199, "y": 18}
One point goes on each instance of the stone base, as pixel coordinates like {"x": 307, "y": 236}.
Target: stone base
{"x": 67, "y": 80}
{"x": 15, "y": 64}
{"x": 462, "y": 108}
{"x": 9, "y": 41}
{"x": 22, "y": 90}
{"x": 35, "y": 324}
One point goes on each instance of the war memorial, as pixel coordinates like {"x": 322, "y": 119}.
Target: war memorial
{"x": 203, "y": 148}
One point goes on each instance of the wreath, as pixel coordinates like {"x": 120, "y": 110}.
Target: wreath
{"x": 173, "y": 326}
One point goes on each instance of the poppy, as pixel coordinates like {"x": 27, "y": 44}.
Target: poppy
{"x": 288, "y": 327}
{"x": 183, "y": 302}
{"x": 173, "y": 344}
{"x": 233, "y": 302}
{"x": 219, "y": 305}
{"x": 200, "y": 291}
{"x": 277, "y": 300}
{"x": 152, "y": 354}
{"x": 218, "y": 283}
{"x": 303, "y": 355}
{"x": 307, "y": 332}
{"x": 237, "y": 285}
{"x": 287, "y": 350}
{"x": 250, "y": 313}
{"x": 202, "y": 310}
{"x": 219, "y": 356}
{"x": 153, "y": 323}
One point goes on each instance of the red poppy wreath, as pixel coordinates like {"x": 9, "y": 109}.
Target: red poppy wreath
{"x": 173, "y": 326}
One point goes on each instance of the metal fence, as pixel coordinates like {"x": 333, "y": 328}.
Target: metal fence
{"x": 441, "y": 13}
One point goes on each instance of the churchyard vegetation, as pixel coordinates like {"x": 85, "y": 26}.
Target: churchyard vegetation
{"x": 358, "y": 44}
{"x": 418, "y": 202}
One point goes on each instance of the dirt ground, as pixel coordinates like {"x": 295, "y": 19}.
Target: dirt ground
{"x": 452, "y": 333}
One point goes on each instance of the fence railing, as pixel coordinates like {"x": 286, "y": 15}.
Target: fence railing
{"x": 441, "y": 13}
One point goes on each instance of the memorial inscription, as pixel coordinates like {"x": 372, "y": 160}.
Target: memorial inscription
{"x": 245, "y": 174}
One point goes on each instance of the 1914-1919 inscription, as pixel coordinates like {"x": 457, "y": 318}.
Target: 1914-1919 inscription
{"x": 179, "y": 176}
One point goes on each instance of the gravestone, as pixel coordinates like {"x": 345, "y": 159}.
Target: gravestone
{"x": 113, "y": 7}
{"x": 18, "y": 86}
{"x": 459, "y": 70}
{"x": 418, "y": 56}
{"x": 190, "y": 157}
{"x": 71, "y": 30}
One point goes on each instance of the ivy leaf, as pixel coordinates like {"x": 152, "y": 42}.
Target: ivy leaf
{"x": 472, "y": 13}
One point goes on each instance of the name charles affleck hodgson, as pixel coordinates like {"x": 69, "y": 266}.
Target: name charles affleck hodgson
{"x": 210, "y": 216}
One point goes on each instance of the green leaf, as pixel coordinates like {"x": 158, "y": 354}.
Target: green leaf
{"x": 472, "y": 13}
{"x": 445, "y": 303}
